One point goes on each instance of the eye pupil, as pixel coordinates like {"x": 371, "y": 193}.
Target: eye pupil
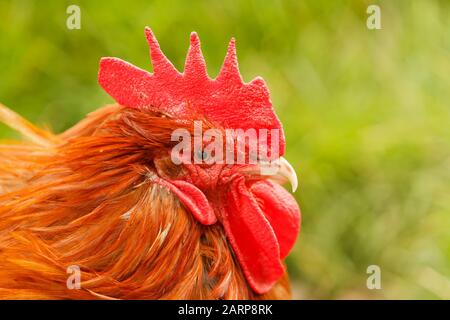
{"x": 202, "y": 155}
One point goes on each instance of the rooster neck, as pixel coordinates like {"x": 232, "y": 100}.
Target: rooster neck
{"x": 86, "y": 201}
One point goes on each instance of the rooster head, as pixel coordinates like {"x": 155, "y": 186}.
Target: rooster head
{"x": 260, "y": 218}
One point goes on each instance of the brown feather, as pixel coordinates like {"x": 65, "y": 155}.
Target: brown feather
{"x": 85, "y": 198}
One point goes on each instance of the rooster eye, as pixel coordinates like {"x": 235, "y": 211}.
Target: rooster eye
{"x": 202, "y": 155}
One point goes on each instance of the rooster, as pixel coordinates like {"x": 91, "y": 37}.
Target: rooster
{"x": 106, "y": 196}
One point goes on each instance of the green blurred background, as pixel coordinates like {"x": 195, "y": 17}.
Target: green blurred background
{"x": 366, "y": 114}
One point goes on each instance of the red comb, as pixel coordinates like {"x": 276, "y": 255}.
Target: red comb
{"x": 226, "y": 100}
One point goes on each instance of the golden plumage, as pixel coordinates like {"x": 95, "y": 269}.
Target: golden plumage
{"x": 85, "y": 198}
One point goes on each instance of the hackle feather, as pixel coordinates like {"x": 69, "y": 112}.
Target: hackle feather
{"x": 85, "y": 198}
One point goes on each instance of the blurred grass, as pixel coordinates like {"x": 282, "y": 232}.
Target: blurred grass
{"x": 366, "y": 114}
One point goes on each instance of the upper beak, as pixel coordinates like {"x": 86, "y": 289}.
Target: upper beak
{"x": 284, "y": 172}
{"x": 279, "y": 170}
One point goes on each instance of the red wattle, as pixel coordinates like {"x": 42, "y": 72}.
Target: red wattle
{"x": 252, "y": 238}
{"x": 282, "y": 211}
{"x": 262, "y": 221}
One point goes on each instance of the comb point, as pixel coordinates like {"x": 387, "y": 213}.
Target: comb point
{"x": 195, "y": 65}
{"x": 230, "y": 66}
{"x": 194, "y": 38}
{"x": 159, "y": 61}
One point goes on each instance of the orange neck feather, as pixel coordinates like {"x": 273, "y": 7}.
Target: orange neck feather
{"x": 84, "y": 199}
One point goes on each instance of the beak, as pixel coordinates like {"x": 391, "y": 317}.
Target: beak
{"x": 279, "y": 171}
{"x": 283, "y": 173}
